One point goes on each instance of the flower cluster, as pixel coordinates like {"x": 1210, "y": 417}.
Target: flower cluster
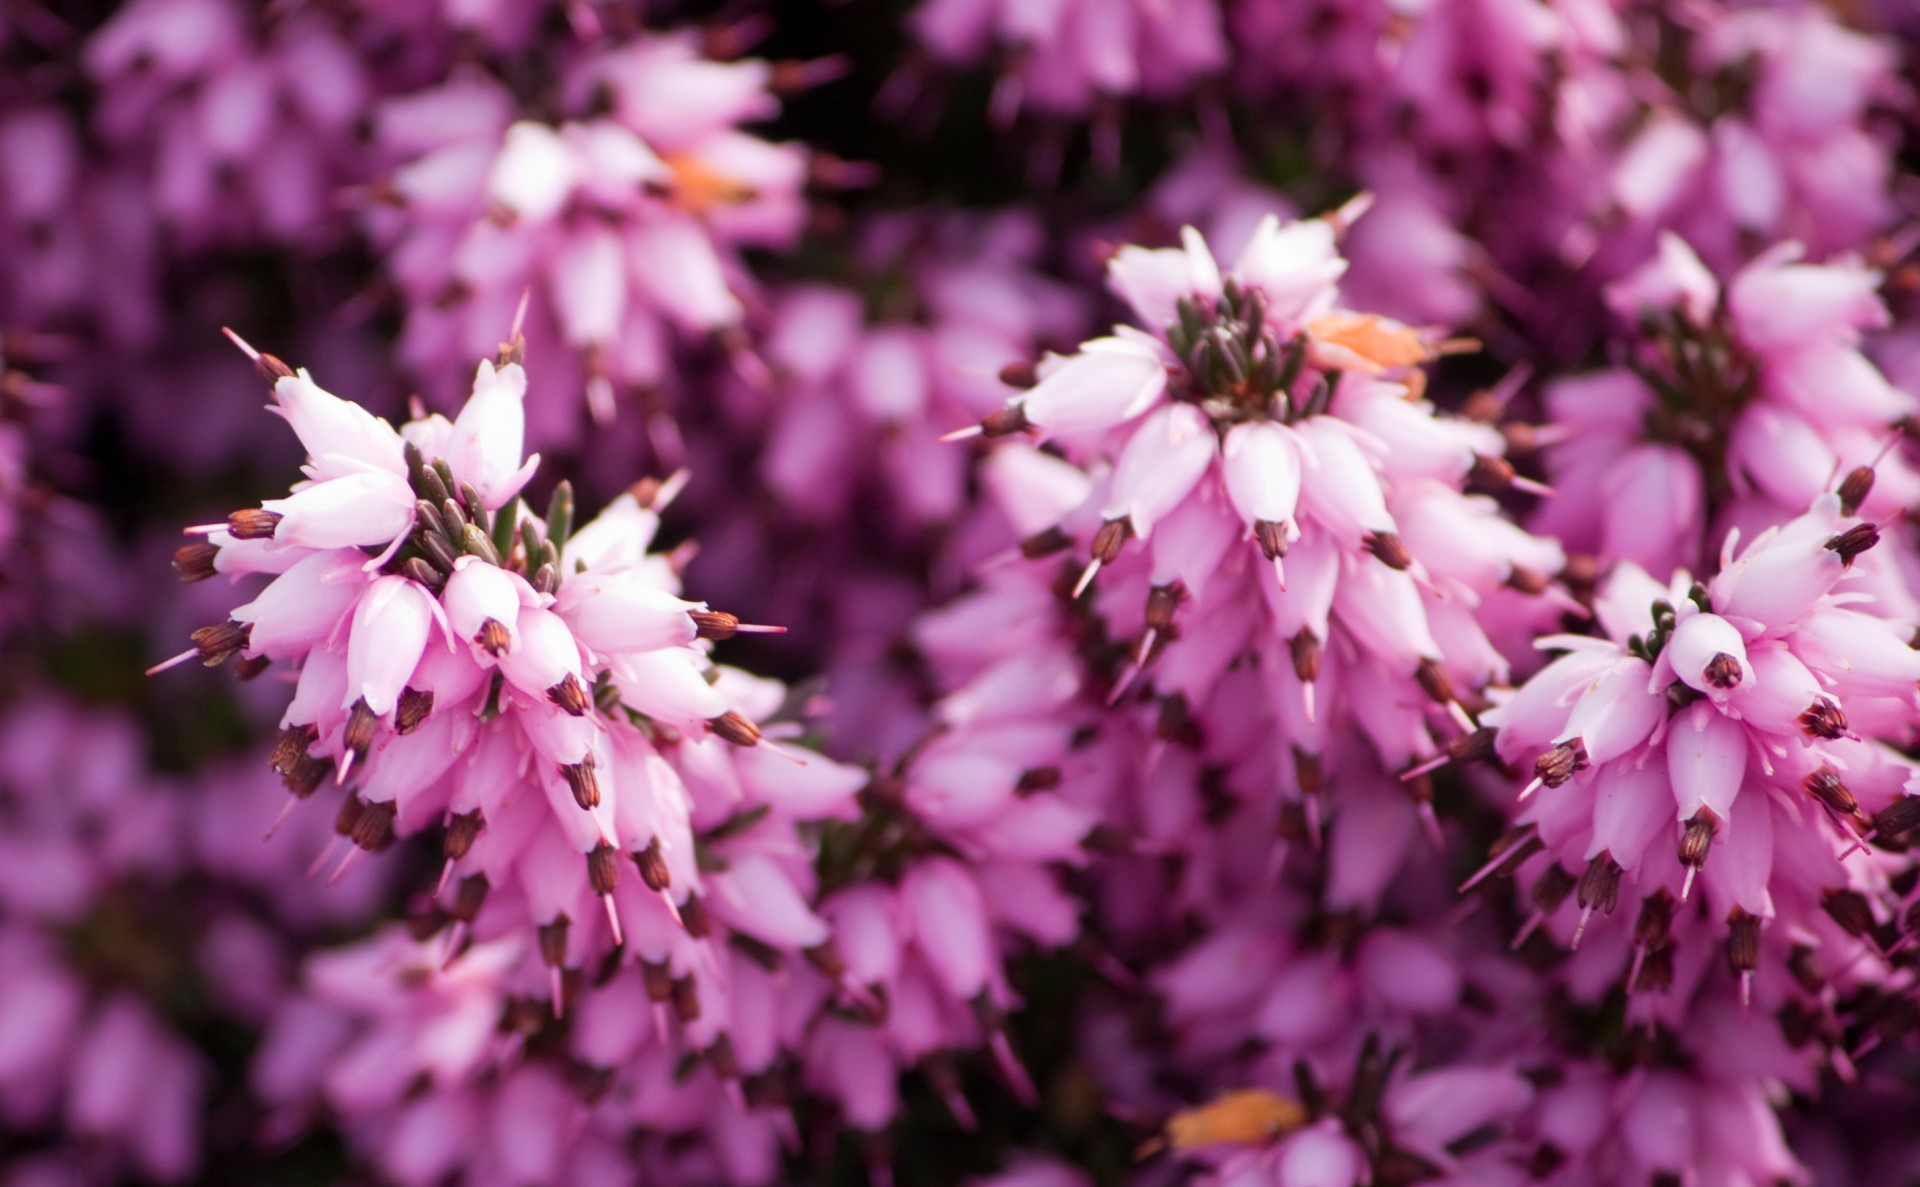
{"x": 1724, "y": 730}
{"x": 1262, "y": 479}
{"x": 625, "y": 220}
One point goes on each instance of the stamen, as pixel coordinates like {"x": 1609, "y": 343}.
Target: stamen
{"x": 253, "y": 523}
{"x": 581, "y": 780}
{"x": 571, "y": 696}
{"x": 1854, "y": 541}
{"x": 735, "y": 728}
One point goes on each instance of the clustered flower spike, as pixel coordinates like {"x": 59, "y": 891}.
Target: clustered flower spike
{"x": 1741, "y": 402}
{"x": 542, "y": 691}
{"x": 625, "y": 220}
{"x": 1259, "y": 476}
{"x": 1722, "y": 735}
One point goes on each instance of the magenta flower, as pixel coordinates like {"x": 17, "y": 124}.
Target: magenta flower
{"x": 1260, "y": 479}
{"x": 1723, "y": 732}
{"x": 1743, "y": 403}
{"x": 559, "y": 728}
{"x": 625, "y": 220}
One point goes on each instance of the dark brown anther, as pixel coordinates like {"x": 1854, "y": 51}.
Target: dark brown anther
{"x": 462, "y": 830}
{"x": 1824, "y": 719}
{"x": 221, "y": 642}
{"x": 251, "y": 667}
{"x": 412, "y": 709}
{"x": 1855, "y": 488}
{"x": 290, "y": 747}
{"x": 693, "y": 916}
{"x": 1552, "y": 887}
{"x": 1490, "y": 473}
{"x": 1561, "y": 763}
{"x": 1854, "y": 541}
{"x": 1307, "y": 772}
{"x": 511, "y": 352}
{"x": 1654, "y": 927}
{"x": 658, "y": 980}
{"x": 1698, "y": 838}
{"x": 304, "y": 776}
{"x": 1656, "y": 972}
{"x": 494, "y": 637}
{"x": 348, "y": 817}
{"x": 373, "y": 828}
{"x": 720, "y": 1057}
{"x": 1271, "y": 536}
{"x": 252, "y": 523}
{"x": 1898, "y": 817}
{"x": 361, "y": 722}
{"x": 1723, "y": 671}
{"x": 469, "y": 897}
{"x": 1600, "y": 885}
{"x": 1291, "y": 827}
{"x": 686, "y": 999}
{"x": 734, "y": 728}
{"x": 1020, "y": 375}
{"x": 424, "y": 919}
{"x": 1433, "y": 681}
{"x": 553, "y": 941}
{"x": 1513, "y": 849}
{"x": 1824, "y": 784}
{"x": 603, "y": 868}
{"x": 653, "y": 866}
{"x": 1391, "y": 550}
{"x": 1531, "y": 582}
{"x": 1006, "y": 422}
{"x": 1743, "y": 941}
{"x": 271, "y": 368}
{"x": 582, "y": 782}
{"x": 714, "y": 624}
{"x": 1797, "y": 1025}
{"x": 1175, "y": 722}
{"x": 1037, "y": 779}
{"x": 195, "y": 561}
{"x": 1419, "y": 788}
{"x": 1474, "y": 747}
{"x": 1112, "y": 536}
{"x": 1305, "y": 648}
{"x": 570, "y": 695}
{"x": 826, "y": 957}
{"x": 1849, "y": 909}
{"x": 1045, "y": 543}
{"x": 1162, "y": 601}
